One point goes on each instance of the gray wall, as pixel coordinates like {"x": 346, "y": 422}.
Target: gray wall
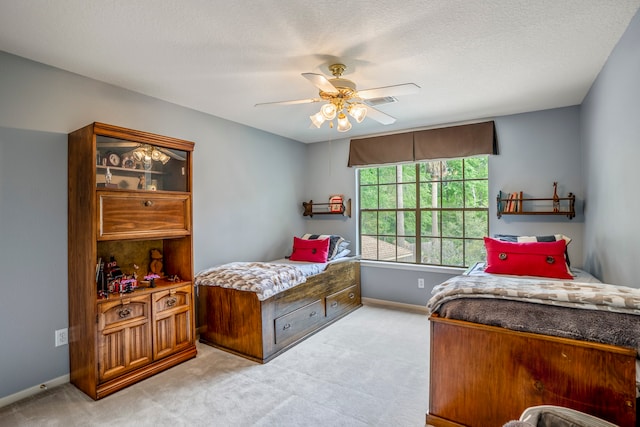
{"x": 611, "y": 149}
{"x": 33, "y": 257}
{"x": 247, "y": 195}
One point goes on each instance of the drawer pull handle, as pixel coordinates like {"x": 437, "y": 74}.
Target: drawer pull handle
{"x": 287, "y": 326}
{"x": 313, "y": 314}
{"x": 148, "y": 203}
{"x": 124, "y": 312}
{"x": 172, "y": 301}
{"x": 352, "y": 295}
{"x": 334, "y": 304}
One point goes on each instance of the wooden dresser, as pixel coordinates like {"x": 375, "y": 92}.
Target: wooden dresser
{"x": 129, "y": 194}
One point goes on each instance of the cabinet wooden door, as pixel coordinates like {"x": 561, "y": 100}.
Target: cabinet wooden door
{"x": 172, "y": 317}
{"x": 124, "y": 331}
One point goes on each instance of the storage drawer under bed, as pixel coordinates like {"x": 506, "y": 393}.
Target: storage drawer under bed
{"x": 342, "y": 301}
{"x": 295, "y": 325}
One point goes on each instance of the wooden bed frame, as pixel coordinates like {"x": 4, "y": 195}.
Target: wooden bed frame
{"x": 486, "y": 376}
{"x": 236, "y": 321}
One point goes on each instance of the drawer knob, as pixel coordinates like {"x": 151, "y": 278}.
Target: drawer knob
{"x": 148, "y": 203}
{"x": 124, "y": 312}
{"x": 172, "y": 301}
{"x": 352, "y": 295}
{"x": 334, "y": 304}
{"x": 287, "y": 326}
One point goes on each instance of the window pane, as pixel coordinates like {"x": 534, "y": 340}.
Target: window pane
{"x": 430, "y": 223}
{"x": 406, "y": 223}
{"x": 452, "y": 195}
{"x": 388, "y": 196}
{"x": 368, "y": 176}
{"x": 476, "y": 194}
{"x": 474, "y": 252}
{"x": 452, "y": 224}
{"x": 430, "y": 251}
{"x": 408, "y": 173}
{"x": 407, "y": 196}
{"x": 476, "y": 224}
{"x": 369, "y": 222}
{"x": 387, "y": 249}
{"x": 369, "y": 197}
{"x": 387, "y": 224}
{"x": 406, "y": 249}
{"x": 387, "y": 174}
{"x": 430, "y": 171}
{"x": 476, "y": 167}
{"x": 369, "y": 247}
{"x": 430, "y": 195}
{"x": 452, "y": 169}
{"x": 452, "y": 252}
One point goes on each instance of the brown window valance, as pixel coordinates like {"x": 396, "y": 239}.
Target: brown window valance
{"x": 441, "y": 143}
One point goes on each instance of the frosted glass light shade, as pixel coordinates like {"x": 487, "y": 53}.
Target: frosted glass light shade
{"x": 343, "y": 123}
{"x": 358, "y": 112}
{"x": 317, "y": 119}
{"x": 328, "y": 111}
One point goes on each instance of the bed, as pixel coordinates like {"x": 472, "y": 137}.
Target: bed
{"x": 501, "y": 343}
{"x": 260, "y": 310}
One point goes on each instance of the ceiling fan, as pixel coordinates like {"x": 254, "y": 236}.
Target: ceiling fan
{"x": 342, "y": 97}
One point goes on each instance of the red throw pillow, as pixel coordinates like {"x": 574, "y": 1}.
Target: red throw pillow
{"x": 310, "y": 250}
{"x": 542, "y": 259}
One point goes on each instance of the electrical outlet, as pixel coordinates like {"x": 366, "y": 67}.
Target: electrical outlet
{"x": 62, "y": 337}
{"x": 421, "y": 283}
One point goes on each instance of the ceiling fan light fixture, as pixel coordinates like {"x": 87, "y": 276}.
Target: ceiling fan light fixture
{"x": 343, "y": 123}
{"x": 317, "y": 119}
{"x": 329, "y": 111}
{"x": 358, "y": 112}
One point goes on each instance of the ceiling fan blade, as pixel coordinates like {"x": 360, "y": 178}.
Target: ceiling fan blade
{"x": 379, "y": 116}
{"x": 321, "y": 82}
{"x": 395, "y": 90}
{"x": 294, "y": 102}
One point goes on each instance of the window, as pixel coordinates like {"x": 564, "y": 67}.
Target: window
{"x": 434, "y": 213}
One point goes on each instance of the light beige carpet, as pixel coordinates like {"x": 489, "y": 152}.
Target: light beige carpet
{"x": 368, "y": 369}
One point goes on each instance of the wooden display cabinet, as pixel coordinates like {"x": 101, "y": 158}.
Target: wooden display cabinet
{"x": 129, "y": 192}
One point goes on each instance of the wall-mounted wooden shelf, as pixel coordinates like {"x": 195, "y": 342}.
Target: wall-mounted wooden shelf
{"x": 566, "y": 205}
{"x": 311, "y": 208}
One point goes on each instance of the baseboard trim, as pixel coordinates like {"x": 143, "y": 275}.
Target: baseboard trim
{"x": 32, "y": 391}
{"x": 392, "y": 304}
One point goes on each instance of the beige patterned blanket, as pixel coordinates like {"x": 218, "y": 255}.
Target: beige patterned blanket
{"x": 265, "y": 279}
{"x": 593, "y": 296}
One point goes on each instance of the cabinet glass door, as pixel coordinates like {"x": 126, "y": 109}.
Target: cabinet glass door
{"x": 131, "y": 165}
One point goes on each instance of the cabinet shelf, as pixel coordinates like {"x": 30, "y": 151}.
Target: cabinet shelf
{"x": 566, "y": 208}
{"x": 311, "y": 208}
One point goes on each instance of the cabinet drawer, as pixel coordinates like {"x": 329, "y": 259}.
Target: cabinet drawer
{"x": 342, "y": 301}
{"x": 142, "y": 215}
{"x": 294, "y": 325}
{"x": 116, "y": 313}
{"x": 174, "y": 299}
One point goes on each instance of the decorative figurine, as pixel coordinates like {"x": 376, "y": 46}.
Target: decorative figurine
{"x": 108, "y": 176}
{"x": 142, "y": 183}
{"x": 155, "y": 266}
{"x": 556, "y": 199}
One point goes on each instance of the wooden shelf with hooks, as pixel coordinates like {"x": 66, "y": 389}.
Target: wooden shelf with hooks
{"x": 311, "y": 208}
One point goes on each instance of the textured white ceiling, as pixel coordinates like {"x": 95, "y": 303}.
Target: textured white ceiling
{"x": 472, "y": 59}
